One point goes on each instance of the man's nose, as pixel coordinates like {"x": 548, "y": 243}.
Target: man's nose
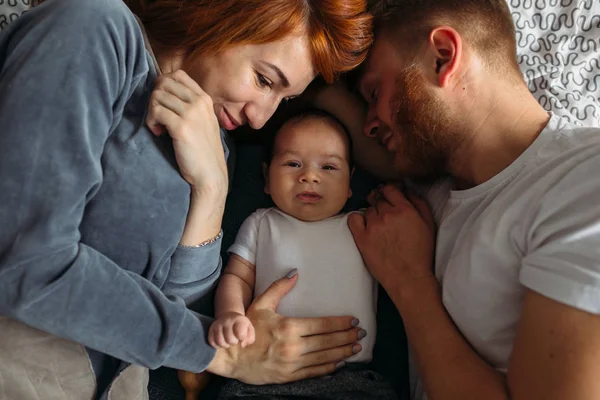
{"x": 372, "y": 124}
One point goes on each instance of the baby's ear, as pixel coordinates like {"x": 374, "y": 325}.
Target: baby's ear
{"x": 266, "y": 176}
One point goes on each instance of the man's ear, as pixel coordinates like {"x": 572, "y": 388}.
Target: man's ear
{"x": 266, "y": 176}
{"x": 446, "y": 46}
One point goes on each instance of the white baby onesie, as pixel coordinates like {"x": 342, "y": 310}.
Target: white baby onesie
{"x": 332, "y": 277}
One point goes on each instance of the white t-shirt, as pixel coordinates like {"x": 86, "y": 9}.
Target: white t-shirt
{"x": 332, "y": 278}
{"x": 535, "y": 225}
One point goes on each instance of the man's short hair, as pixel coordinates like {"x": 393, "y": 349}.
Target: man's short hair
{"x": 487, "y": 25}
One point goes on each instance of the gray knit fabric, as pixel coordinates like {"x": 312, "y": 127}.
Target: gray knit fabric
{"x": 345, "y": 384}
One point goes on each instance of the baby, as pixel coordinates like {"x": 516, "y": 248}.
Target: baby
{"x": 308, "y": 178}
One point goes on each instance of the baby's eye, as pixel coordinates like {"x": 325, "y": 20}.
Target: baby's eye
{"x": 292, "y": 164}
{"x": 329, "y": 167}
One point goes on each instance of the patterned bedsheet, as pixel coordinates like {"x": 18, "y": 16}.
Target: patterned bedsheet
{"x": 558, "y": 44}
{"x": 558, "y": 47}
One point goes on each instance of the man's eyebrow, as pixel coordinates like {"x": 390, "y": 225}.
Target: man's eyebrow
{"x": 280, "y": 74}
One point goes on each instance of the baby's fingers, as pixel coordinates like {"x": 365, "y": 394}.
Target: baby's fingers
{"x": 229, "y": 336}
{"x": 216, "y": 338}
{"x": 251, "y": 334}
{"x": 240, "y": 329}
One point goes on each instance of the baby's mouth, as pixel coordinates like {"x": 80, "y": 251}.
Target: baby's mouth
{"x": 309, "y": 197}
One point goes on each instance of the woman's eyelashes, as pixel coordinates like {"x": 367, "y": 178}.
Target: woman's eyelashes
{"x": 262, "y": 81}
{"x": 265, "y": 83}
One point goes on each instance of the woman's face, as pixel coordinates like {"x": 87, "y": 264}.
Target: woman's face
{"x": 247, "y": 82}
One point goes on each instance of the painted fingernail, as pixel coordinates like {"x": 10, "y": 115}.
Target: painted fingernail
{"x": 341, "y": 364}
{"x": 292, "y": 273}
{"x": 354, "y": 322}
{"x": 362, "y": 333}
{"x": 356, "y": 348}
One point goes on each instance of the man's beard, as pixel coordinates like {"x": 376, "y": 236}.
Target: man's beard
{"x": 424, "y": 132}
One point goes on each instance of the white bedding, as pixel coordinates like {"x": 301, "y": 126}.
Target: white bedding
{"x": 558, "y": 46}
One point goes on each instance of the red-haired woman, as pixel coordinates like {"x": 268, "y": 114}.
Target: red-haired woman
{"x": 113, "y": 179}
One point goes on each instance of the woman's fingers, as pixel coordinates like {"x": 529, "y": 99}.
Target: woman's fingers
{"x": 182, "y": 77}
{"x": 169, "y": 101}
{"x": 314, "y": 371}
{"x": 159, "y": 117}
{"x": 320, "y": 325}
{"x": 331, "y": 340}
{"x": 334, "y": 355}
{"x": 271, "y": 297}
{"x": 170, "y": 85}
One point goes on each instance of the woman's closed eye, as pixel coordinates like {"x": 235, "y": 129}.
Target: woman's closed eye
{"x": 262, "y": 81}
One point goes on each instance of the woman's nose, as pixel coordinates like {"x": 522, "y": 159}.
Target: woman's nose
{"x": 259, "y": 112}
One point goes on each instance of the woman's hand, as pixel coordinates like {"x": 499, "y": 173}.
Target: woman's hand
{"x": 396, "y": 239}
{"x": 179, "y": 105}
{"x": 287, "y": 349}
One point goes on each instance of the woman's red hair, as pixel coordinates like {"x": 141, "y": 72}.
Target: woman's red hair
{"x": 339, "y": 31}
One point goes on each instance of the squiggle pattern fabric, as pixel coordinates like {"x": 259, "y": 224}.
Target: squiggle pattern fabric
{"x": 10, "y": 10}
{"x": 558, "y": 43}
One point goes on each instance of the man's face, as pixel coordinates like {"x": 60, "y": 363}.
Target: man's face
{"x": 405, "y": 113}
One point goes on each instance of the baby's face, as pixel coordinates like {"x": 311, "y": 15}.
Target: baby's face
{"x": 309, "y": 174}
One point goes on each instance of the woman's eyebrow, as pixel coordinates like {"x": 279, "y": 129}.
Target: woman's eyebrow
{"x": 280, "y": 74}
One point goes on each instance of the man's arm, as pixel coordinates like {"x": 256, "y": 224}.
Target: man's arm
{"x": 557, "y": 347}
{"x": 447, "y": 364}
{"x": 556, "y": 352}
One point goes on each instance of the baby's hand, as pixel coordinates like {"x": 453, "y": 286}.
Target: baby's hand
{"x": 230, "y": 329}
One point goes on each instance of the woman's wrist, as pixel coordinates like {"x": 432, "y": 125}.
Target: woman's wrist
{"x": 204, "y": 216}
{"x": 215, "y": 191}
{"x": 223, "y": 363}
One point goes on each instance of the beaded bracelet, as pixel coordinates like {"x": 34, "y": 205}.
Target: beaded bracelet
{"x": 205, "y": 243}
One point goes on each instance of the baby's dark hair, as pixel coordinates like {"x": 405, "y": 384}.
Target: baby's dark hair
{"x": 306, "y": 114}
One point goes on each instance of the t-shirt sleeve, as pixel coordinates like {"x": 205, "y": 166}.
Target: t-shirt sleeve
{"x": 562, "y": 259}
{"x": 246, "y": 240}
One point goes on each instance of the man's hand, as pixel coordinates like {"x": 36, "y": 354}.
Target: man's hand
{"x": 395, "y": 237}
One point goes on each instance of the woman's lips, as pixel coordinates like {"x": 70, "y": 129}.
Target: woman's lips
{"x": 309, "y": 197}
{"x": 227, "y": 120}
